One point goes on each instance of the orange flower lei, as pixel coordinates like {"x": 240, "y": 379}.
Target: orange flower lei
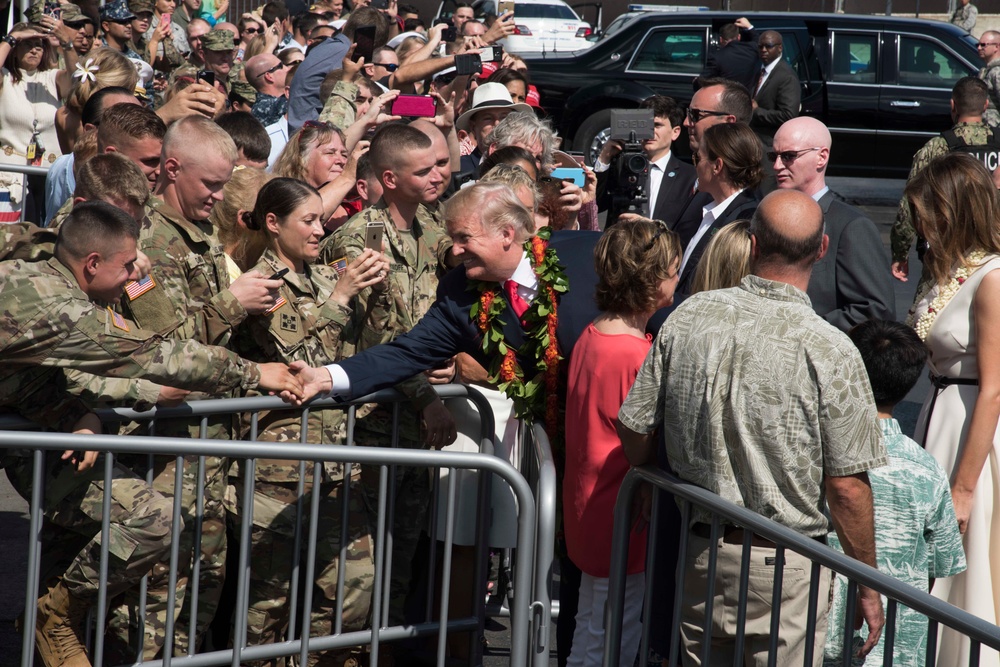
{"x": 535, "y": 398}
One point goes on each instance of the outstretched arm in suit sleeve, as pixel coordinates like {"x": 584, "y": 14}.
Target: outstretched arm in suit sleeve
{"x": 864, "y": 285}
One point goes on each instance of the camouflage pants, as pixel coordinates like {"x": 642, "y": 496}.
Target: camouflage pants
{"x": 139, "y": 532}
{"x": 125, "y": 623}
{"x": 411, "y": 504}
{"x": 272, "y": 558}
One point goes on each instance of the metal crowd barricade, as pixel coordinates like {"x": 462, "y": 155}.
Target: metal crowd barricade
{"x": 25, "y": 171}
{"x": 525, "y": 609}
{"x": 940, "y": 613}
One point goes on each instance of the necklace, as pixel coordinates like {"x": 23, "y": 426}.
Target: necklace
{"x": 922, "y": 325}
{"x": 535, "y": 397}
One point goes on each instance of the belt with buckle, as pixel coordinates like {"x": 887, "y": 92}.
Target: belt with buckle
{"x": 734, "y": 535}
{"x": 9, "y": 150}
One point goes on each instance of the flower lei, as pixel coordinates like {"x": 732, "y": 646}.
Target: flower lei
{"x": 536, "y": 396}
{"x": 922, "y": 325}
{"x": 86, "y": 71}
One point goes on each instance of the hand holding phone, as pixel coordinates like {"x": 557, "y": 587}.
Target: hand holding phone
{"x": 207, "y": 76}
{"x": 420, "y": 106}
{"x": 468, "y": 63}
{"x": 373, "y": 236}
{"x": 505, "y": 6}
{"x": 364, "y": 39}
{"x": 279, "y": 274}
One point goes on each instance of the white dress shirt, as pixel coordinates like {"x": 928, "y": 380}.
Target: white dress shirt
{"x": 767, "y": 72}
{"x": 709, "y": 215}
{"x": 656, "y": 171}
{"x": 817, "y": 195}
{"x": 527, "y": 289}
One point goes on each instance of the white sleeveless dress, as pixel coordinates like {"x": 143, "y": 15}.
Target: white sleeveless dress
{"x": 952, "y": 343}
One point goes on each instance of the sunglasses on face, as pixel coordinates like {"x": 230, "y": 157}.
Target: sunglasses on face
{"x": 390, "y": 67}
{"x": 696, "y": 115}
{"x": 272, "y": 70}
{"x": 251, "y": 31}
{"x": 768, "y": 46}
{"x": 788, "y": 157}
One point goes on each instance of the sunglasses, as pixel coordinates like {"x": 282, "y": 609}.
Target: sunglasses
{"x": 390, "y": 67}
{"x": 663, "y": 229}
{"x": 788, "y": 157}
{"x": 766, "y": 45}
{"x": 983, "y": 45}
{"x": 696, "y": 115}
{"x": 272, "y": 70}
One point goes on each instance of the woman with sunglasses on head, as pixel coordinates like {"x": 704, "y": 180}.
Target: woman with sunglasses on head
{"x": 314, "y": 316}
{"x": 31, "y": 90}
{"x": 637, "y": 264}
{"x": 326, "y": 157}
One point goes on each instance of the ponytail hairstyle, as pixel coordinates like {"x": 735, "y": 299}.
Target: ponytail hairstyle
{"x": 240, "y": 194}
{"x": 280, "y": 196}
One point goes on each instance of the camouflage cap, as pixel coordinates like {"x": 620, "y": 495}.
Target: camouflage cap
{"x": 36, "y": 11}
{"x": 73, "y": 14}
{"x": 218, "y": 40}
{"x": 244, "y": 90}
{"x": 117, "y": 10}
{"x": 141, "y": 6}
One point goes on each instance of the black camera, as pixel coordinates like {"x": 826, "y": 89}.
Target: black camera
{"x": 631, "y": 127}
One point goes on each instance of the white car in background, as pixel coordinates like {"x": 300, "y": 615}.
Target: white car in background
{"x": 543, "y": 26}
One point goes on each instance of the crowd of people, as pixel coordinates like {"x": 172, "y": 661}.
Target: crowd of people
{"x": 235, "y": 209}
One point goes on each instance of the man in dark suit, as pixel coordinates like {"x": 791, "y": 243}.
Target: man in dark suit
{"x": 736, "y": 58}
{"x": 488, "y": 227}
{"x": 777, "y": 94}
{"x": 851, "y": 283}
{"x": 670, "y": 180}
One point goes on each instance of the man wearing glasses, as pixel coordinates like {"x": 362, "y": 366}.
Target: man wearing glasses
{"x": 777, "y": 96}
{"x": 266, "y": 73}
{"x": 989, "y": 51}
{"x": 850, "y": 283}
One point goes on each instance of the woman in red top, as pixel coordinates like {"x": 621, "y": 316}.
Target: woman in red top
{"x": 637, "y": 267}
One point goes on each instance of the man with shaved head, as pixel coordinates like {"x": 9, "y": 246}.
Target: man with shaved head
{"x": 768, "y": 406}
{"x": 851, "y": 283}
{"x": 266, "y": 73}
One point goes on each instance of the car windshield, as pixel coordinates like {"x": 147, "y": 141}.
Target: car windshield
{"x": 533, "y": 11}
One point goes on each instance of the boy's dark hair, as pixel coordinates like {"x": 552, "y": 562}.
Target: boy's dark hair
{"x": 247, "y": 133}
{"x": 94, "y": 108}
{"x": 94, "y": 226}
{"x": 665, "y": 107}
{"x": 894, "y": 357}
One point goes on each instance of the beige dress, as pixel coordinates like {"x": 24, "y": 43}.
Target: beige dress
{"x": 952, "y": 344}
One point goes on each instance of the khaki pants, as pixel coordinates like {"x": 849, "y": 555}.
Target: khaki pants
{"x": 757, "y": 634}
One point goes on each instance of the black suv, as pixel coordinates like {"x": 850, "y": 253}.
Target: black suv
{"x": 881, "y": 84}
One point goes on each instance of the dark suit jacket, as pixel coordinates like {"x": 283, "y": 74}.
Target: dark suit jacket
{"x": 736, "y": 61}
{"x": 446, "y": 329}
{"x": 742, "y": 207}
{"x": 675, "y": 190}
{"x": 778, "y": 100}
{"x": 852, "y": 282}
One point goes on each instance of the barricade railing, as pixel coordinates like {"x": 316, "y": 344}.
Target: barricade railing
{"x": 525, "y": 608}
{"x": 724, "y": 514}
{"x": 25, "y": 170}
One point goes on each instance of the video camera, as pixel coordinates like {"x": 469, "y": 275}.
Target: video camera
{"x": 631, "y": 127}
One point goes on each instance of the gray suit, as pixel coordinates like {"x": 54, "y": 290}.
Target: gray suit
{"x": 852, "y": 282}
{"x": 778, "y": 100}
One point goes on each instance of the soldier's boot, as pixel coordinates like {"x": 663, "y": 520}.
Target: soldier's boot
{"x": 59, "y": 629}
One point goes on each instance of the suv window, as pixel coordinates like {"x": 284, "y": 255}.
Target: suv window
{"x": 674, "y": 51}
{"x": 926, "y": 63}
{"x": 855, "y": 57}
{"x": 545, "y": 12}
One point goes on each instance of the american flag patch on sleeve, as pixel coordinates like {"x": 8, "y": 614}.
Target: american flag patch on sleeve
{"x": 340, "y": 265}
{"x": 136, "y": 288}
{"x": 277, "y": 304}
{"x": 117, "y": 320}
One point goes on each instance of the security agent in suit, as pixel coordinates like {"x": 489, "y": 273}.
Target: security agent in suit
{"x": 777, "y": 94}
{"x": 736, "y": 58}
{"x": 851, "y": 283}
{"x": 670, "y": 180}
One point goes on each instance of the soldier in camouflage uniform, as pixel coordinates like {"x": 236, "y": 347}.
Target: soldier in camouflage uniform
{"x": 317, "y": 314}
{"x": 242, "y": 96}
{"x": 968, "y": 101}
{"x": 989, "y": 51}
{"x": 188, "y": 295}
{"x": 116, "y": 28}
{"x": 267, "y": 74}
{"x": 53, "y": 321}
{"x": 965, "y": 15}
{"x": 218, "y": 46}
{"x": 416, "y": 243}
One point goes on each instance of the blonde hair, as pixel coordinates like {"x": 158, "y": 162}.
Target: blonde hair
{"x": 197, "y": 135}
{"x": 113, "y": 70}
{"x": 245, "y": 246}
{"x": 514, "y": 176}
{"x": 292, "y": 163}
{"x": 726, "y": 260}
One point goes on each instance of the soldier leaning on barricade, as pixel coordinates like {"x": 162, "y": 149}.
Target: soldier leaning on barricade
{"x": 189, "y": 295}
{"x": 971, "y": 134}
{"x": 316, "y": 313}
{"x": 54, "y": 319}
{"x": 415, "y": 241}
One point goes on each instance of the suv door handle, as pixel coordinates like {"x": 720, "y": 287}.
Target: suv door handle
{"x": 908, "y": 104}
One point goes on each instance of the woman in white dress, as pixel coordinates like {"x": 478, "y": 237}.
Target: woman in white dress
{"x": 955, "y": 208}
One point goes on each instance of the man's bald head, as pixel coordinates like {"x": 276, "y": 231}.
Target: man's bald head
{"x": 801, "y": 155}
{"x": 787, "y": 234}
{"x": 267, "y": 74}
{"x": 769, "y": 45}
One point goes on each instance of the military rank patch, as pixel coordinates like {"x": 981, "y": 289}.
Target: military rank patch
{"x": 340, "y": 265}
{"x": 136, "y": 288}
{"x": 289, "y": 322}
{"x": 117, "y": 320}
{"x": 277, "y": 304}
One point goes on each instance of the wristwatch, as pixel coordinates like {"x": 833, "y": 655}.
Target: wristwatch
{"x": 66, "y": 46}
{"x": 11, "y": 40}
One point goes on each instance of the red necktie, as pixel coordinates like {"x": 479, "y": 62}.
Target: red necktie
{"x": 514, "y": 299}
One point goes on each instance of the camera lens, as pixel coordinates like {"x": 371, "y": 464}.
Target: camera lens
{"x": 636, "y": 163}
